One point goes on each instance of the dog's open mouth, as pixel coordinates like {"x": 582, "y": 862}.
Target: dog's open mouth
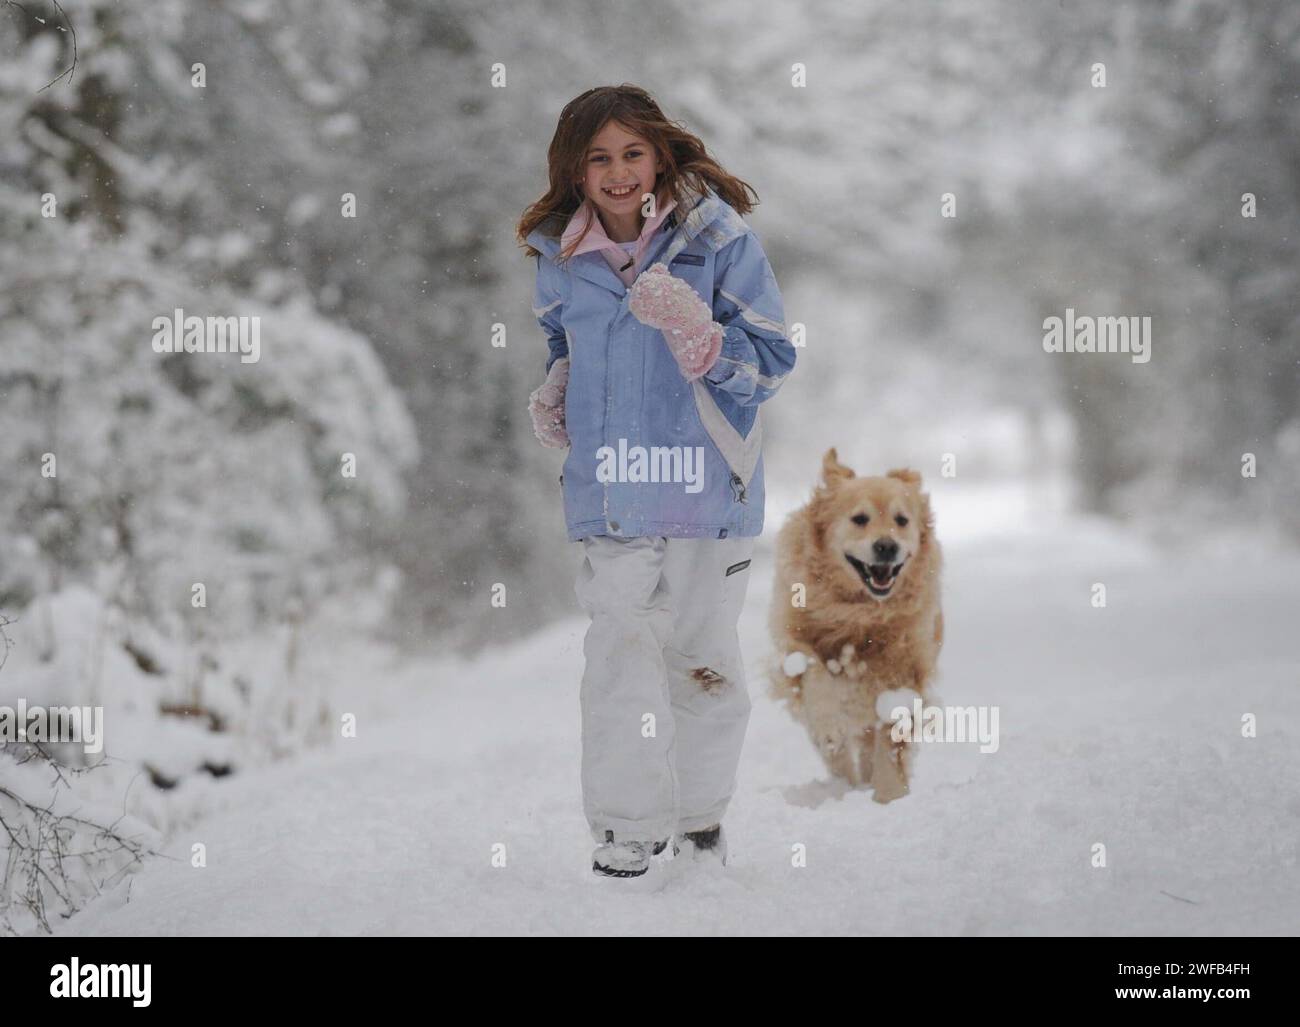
{"x": 878, "y": 577}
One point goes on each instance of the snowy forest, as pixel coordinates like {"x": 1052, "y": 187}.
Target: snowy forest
{"x": 235, "y": 558}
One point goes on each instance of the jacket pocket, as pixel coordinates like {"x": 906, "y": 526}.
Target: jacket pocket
{"x": 739, "y": 452}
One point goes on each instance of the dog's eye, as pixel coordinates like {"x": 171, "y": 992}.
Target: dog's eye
{"x": 860, "y": 518}
{"x": 900, "y": 520}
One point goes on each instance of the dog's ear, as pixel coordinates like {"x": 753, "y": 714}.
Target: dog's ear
{"x": 906, "y": 474}
{"x": 834, "y": 472}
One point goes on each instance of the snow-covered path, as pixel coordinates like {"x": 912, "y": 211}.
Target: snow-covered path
{"x": 1119, "y": 725}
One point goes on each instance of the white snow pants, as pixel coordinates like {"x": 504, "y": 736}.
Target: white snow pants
{"x": 664, "y": 700}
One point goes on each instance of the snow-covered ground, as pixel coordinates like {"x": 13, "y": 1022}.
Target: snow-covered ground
{"x": 1119, "y": 726}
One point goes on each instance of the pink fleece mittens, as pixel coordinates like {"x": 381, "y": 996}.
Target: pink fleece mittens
{"x": 660, "y": 301}
{"x": 671, "y": 305}
{"x": 546, "y": 407}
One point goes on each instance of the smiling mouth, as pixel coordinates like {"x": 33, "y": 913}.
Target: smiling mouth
{"x": 620, "y": 194}
{"x": 878, "y": 577}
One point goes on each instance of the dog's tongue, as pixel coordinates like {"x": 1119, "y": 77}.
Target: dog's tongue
{"x": 880, "y": 573}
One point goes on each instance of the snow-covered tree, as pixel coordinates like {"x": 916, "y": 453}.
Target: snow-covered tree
{"x": 182, "y": 502}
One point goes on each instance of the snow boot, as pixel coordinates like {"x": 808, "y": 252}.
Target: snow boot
{"x": 624, "y": 859}
{"x": 705, "y": 844}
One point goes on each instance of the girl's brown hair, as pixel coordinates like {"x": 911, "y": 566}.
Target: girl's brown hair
{"x": 687, "y": 165}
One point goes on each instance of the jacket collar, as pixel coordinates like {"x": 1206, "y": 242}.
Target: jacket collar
{"x": 682, "y": 222}
{"x": 596, "y": 238}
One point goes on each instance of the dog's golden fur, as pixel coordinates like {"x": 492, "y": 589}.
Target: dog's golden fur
{"x": 856, "y": 642}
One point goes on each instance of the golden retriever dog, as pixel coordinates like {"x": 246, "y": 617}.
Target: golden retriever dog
{"x": 855, "y": 617}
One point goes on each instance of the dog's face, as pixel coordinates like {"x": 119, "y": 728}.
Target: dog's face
{"x": 872, "y": 530}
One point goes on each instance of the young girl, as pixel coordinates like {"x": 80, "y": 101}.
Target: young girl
{"x": 666, "y": 332}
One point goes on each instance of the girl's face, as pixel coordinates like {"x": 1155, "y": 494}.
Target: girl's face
{"x": 620, "y": 169}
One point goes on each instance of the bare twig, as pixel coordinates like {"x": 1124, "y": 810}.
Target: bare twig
{"x": 55, "y": 855}
{"x": 45, "y": 848}
{"x": 69, "y": 29}
{"x": 5, "y": 641}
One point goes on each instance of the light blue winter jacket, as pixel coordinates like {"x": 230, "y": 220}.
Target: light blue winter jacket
{"x": 626, "y": 391}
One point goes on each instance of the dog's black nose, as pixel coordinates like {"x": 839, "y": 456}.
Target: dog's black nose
{"x": 885, "y": 550}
